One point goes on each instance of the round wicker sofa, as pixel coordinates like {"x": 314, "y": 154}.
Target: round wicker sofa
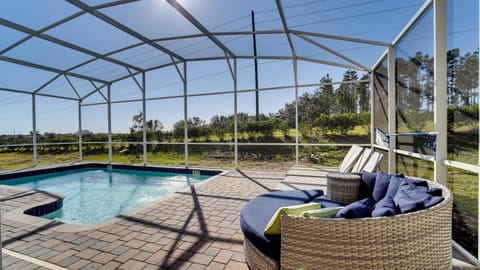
{"x": 417, "y": 240}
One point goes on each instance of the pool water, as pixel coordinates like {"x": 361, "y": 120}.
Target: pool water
{"x": 95, "y": 195}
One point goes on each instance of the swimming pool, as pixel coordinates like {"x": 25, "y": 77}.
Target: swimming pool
{"x": 93, "y": 195}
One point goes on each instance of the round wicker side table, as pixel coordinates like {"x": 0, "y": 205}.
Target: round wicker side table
{"x": 343, "y": 187}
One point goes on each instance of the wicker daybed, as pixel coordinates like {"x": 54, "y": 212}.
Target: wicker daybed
{"x": 417, "y": 240}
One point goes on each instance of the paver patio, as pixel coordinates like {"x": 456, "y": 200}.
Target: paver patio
{"x": 196, "y": 228}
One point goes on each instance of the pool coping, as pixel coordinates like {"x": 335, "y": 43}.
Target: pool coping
{"x": 20, "y": 216}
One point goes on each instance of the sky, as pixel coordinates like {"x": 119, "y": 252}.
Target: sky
{"x": 366, "y": 19}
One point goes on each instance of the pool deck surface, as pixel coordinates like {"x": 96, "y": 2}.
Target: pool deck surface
{"x": 195, "y": 228}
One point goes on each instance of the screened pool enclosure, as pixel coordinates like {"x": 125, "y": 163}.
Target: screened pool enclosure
{"x": 246, "y": 84}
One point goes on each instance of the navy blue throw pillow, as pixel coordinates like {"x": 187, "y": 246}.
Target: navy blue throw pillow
{"x": 367, "y": 184}
{"x": 410, "y": 198}
{"x": 358, "y": 209}
{"x": 396, "y": 181}
{"x": 381, "y": 185}
{"x": 435, "y": 191}
{"x": 406, "y": 203}
{"x": 393, "y": 185}
{"x": 385, "y": 207}
{"x": 418, "y": 182}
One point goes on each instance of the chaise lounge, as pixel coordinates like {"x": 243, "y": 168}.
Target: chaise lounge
{"x": 416, "y": 240}
{"x": 356, "y": 160}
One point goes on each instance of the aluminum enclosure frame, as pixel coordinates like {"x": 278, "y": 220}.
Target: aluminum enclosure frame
{"x": 441, "y": 163}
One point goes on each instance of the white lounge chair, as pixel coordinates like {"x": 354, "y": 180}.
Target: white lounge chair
{"x": 362, "y": 160}
{"x": 373, "y": 162}
{"x": 308, "y": 177}
{"x": 350, "y": 158}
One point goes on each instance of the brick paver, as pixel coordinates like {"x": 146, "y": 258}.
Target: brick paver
{"x": 196, "y": 228}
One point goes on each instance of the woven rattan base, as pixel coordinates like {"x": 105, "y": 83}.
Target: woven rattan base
{"x": 343, "y": 187}
{"x": 416, "y": 240}
{"x": 256, "y": 260}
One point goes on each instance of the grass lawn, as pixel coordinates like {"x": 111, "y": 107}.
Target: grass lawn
{"x": 463, "y": 184}
{"x": 462, "y": 147}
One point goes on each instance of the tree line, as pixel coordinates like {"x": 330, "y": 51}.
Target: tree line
{"x": 327, "y": 109}
{"x": 324, "y": 110}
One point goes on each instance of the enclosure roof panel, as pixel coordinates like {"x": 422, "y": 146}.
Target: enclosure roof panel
{"x": 366, "y": 19}
{"x": 13, "y": 77}
{"x": 46, "y": 53}
{"x": 143, "y": 56}
{"x": 104, "y": 41}
{"x": 102, "y": 69}
{"x": 91, "y": 33}
{"x": 357, "y": 52}
{"x": 60, "y": 87}
{"x": 9, "y": 36}
{"x": 195, "y": 47}
{"x": 151, "y": 18}
{"x": 35, "y": 14}
{"x": 220, "y": 15}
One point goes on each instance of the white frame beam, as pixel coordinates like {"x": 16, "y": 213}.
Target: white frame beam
{"x": 109, "y": 116}
{"x": 356, "y": 40}
{"x": 351, "y": 61}
{"x": 34, "y": 131}
{"x": 372, "y": 108}
{"x": 141, "y": 87}
{"x": 392, "y": 108}
{"x": 235, "y": 112}
{"x": 276, "y": 32}
{"x": 80, "y": 146}
{"x": 295, "y": 68}
{"x": 440, "y": 88}
{"x": 47, "y": 83}
{"x": 185, "y": 114}
{"x": 96, "y": 89}
{"x": 48, "y": 68}
{"x": 39, "y": 94}
{"x": 72, "y": 86}
{"x": 295, "y": 75}
{"x": 265, "y": 57}
{"x": 144, "y": 111}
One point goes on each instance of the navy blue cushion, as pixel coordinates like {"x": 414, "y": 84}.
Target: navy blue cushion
{"x": 381, "y": 185}
{"x": 410, "y": 198}
{"x": 326, "y": 203}
{"x": 405, "y": 203}
{"x": 367, "y": 184}
{"x": 385, "y": 207}
{"x": 418, "y": 182}
{"x": 396, "y": 181}
{"x": 393, "y": 185}
{"x": 358, "y": 209}
{"x": 256, "y": 214}
{"x": 435, "y": 191}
